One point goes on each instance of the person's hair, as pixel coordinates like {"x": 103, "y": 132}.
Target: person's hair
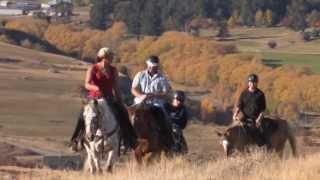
{"x": 154, "y": 59}
{"x": 107, "y": 56}
{"x": 123, "y": 70}
{"x": 98, "y": 59}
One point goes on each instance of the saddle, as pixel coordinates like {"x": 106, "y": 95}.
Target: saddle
{"x": 261, "y": 134}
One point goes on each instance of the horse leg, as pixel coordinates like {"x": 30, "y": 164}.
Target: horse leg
{"x": 292, "y": 142}
{"x": 97, "y": 154}
{"x": 113, "y": 155}
{"x": 110, "y": 160}
{"x": 147, "y": 158}
{"x": 89, "y": 158}
{"x": 97, "y": 161}
{"x": 138, "y": 155}
{"x": 280, "y": 152}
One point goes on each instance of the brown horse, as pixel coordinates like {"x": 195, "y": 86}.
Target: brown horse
{"x": 236, "y": 138}
{"x": 153, "y": 136}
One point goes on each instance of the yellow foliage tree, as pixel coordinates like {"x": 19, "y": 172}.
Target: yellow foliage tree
{"x": 35, "y": 27}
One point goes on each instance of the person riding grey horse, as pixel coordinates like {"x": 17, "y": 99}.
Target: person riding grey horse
{"x": 102, "y": 82}
{"x": 250, "y": 109}
{"x": 152, "y": 88}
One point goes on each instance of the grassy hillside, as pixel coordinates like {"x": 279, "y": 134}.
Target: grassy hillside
{"x": 277, "y": 59}
{"x": 291, "y": 49}
{"x": 38, "y": 91}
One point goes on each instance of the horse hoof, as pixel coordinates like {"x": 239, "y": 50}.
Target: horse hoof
{"x": 109, "y": 169}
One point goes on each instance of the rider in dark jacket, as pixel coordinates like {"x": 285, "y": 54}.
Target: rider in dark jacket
{"x": 178, "y": 116}
{"x": 251, "y": 106}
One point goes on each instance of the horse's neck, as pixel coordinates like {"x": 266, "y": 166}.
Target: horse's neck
{"x": 108, "y": 120}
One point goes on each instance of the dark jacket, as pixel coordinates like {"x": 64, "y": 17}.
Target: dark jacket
{"x": 252, "y": 103}
{"x": 177, "y": 115}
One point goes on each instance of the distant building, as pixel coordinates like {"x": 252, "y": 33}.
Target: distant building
{"x": 10, "y": 8}
{"x": 27, "y": 5}
{"x": 60, "y": 10}
{"x": 5, "y": 3}
{"x": 55, "y": 10}
{"x": 45, "y": 6}
{"x": 11, "y": 12}
{"x": 55, "y": 2}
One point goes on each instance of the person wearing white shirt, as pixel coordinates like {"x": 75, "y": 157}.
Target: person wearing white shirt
{"x": 151, "y": 86}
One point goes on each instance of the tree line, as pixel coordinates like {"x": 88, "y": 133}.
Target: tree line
{"x": 152, "y": 17}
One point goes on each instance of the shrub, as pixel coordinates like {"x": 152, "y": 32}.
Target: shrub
{"x": 207, "y": 110}
{"x": 26, "y": 43}
{"x": 29, "y": 25}
{"x": 4, "y": 38}
{"x": 306, "y": 36}
{"x": 272, "y": 44}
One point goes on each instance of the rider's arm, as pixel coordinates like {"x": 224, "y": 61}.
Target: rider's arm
{"x": 116, "y": 86}
{"x": 135, "y": 90}
{"x": 184, "y": 118}
{"x": 238, "y": 106}
{"x": 236, "y": 112}
{"x": 88, "y": 86}
{"x": 262, "y": 107}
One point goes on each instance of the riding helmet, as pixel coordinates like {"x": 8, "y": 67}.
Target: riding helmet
{"x": 179, "y": 95}
{"x": 253, "y": 78}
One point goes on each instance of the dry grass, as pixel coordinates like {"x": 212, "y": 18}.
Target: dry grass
{"x": 258, "y": 165}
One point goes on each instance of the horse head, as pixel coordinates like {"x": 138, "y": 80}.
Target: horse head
{"x": 226, "y": 142}
{"x": 90, "y": 115}
{"x": 233, "y": 138}
{"x": 135, "y": 112}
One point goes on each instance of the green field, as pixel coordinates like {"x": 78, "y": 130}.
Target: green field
{"x": 278, "y": 59}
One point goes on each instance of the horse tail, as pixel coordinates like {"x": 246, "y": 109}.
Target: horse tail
{"x": 292, "y": 142}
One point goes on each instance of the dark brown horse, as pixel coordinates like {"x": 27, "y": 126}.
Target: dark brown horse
{"x": 153, "y": 134}
{"x": 236, "y": 138}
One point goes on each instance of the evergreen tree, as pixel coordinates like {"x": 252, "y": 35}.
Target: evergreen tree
{"x": 154, "y": 16}
{"x": 134, "y": 20}
{"x": 223, "y": 30}
{"x": 260, "y": 19}
{"x": 269, "y": 18}
{"x": 296, "y": 13}
{"x": 151, "y": 18}
{"x": 232, "y": 21}
{"x": 247, "y": 12}
{"x": 313, "y": 18}
{"x": 203, "y": 8}
{"x": 99, "y": 13}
